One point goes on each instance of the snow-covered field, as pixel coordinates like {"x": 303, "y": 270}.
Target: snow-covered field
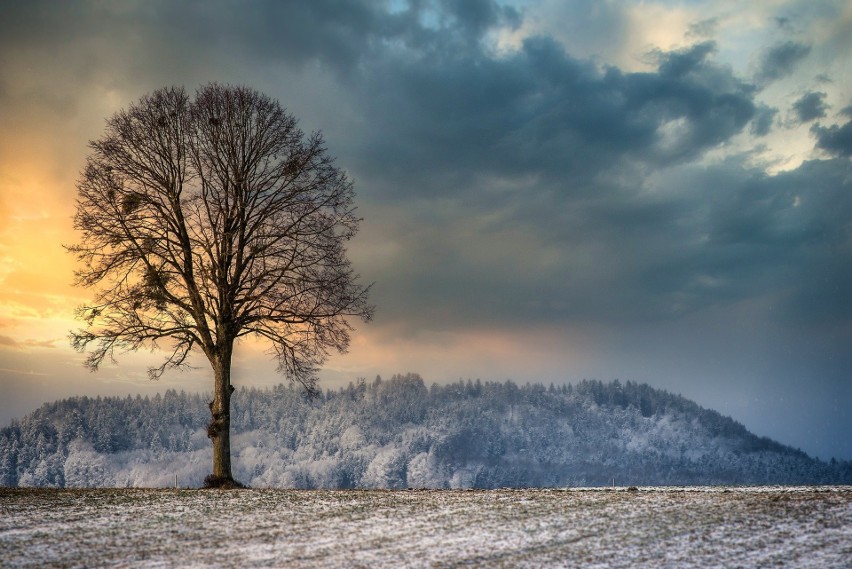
{"x": 651, "y": 527}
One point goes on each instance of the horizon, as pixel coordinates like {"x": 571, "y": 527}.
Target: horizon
{"x": 656, "y": 192}
{"x": 400, "y": 434}
{"x": 371, "y": 383}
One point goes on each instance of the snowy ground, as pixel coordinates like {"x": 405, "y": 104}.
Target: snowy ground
{"x": 651, "y": 527}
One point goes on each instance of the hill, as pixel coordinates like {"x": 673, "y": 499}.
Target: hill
{"x": 400, "y": 433}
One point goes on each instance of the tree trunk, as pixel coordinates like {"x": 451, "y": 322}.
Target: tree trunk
{"x": 219, "y": 429}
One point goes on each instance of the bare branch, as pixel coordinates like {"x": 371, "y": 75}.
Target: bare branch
{"x": 206, "y": 220}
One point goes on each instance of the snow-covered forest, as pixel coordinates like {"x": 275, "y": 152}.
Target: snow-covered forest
{"x": 400, "y": 433}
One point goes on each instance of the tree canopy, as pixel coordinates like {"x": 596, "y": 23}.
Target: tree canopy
{"x": 209, "y": 219}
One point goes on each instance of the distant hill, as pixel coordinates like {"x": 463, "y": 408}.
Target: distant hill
{"x": 400, "y": 433}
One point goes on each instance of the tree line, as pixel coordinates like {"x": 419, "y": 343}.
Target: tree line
{"x": 399, "y": 433}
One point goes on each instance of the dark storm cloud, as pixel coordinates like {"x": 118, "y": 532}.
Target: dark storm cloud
{"x": 780, "y": 60}
{"x": 745, "y": 234}
{"x": 478, "y": 16}
{"x": 835, "y": 139}
{"x": 530, "y": 184}
{"x": 810, "y": 106}
{"x": 144, "y": 45}
{"x": 703, "y": 29}
{"x": 790, "y": 232}
{"x": 719, "y": 236}
{"x": 448, "y": 115}
{"x": 521, "y": 181}
{"x": 430, "y": 80}
{"x": 764, "y": 118}
{"x": 518, "y": 185}
{"x": 783, "y": 22}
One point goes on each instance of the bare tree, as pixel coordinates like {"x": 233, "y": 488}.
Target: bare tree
{"x": 207, "y": 220}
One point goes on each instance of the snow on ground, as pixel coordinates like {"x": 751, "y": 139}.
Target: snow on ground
{"x": 651, "y": 527}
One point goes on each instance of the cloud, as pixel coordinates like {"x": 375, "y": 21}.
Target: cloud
{"x": 810, "y": 106}
{"x": 22, "y": 372}
{"x": 7, "y": 342}
{"x": 786, "y": 233}
{"x": 779, "y": 61}
{"x": 476, "y": 17}
{"x": 763, "y": 120}
{"x": 463, "y": 150}
{"x": 702, "y": 238}
{"x": 783, "y": 22}
{"x": 835, "y": 139}
{"x": 443, "y": 117}
{"x": 703, "y": 29}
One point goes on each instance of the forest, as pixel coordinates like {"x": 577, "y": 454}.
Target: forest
{"x": 401, "y": 433}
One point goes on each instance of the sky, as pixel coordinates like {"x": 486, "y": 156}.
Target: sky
{"x": 654, "y": 191}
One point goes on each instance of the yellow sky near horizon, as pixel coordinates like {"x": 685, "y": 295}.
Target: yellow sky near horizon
{"x": 43, "y": 147}
{"x": 37, "y": 297}
{"x": 36, "y": 207}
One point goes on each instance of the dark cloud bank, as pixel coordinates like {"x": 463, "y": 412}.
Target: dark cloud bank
{"x": 526, "y": 188}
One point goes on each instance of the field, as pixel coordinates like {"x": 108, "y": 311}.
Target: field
{"x": 613, "y": 527}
